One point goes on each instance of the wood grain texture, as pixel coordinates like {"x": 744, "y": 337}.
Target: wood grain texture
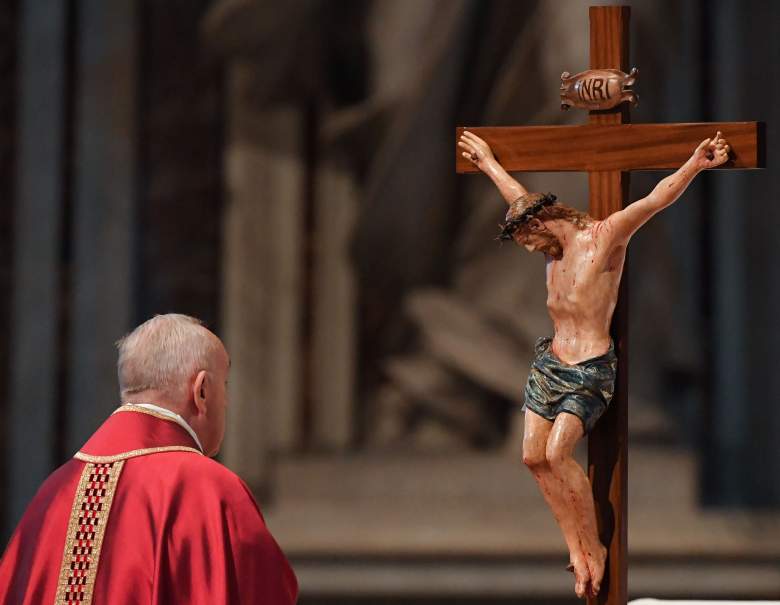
{"x": 606, "y": 188}
{"x": 607, "y": 146}
{"x": 608, "y": 442}
{"x": 609, "y": 37}
{"x": 608, "y": 466}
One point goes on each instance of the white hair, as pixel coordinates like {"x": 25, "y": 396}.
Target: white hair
{"x": 163, "y": 354}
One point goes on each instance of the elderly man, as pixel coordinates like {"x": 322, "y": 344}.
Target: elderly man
{"x": 141, "y": 514}
{"x": 572, "y": 377}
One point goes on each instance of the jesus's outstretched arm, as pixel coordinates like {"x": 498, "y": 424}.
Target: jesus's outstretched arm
{"x": 478, "y": 152}
{"x": 709, "y": 154}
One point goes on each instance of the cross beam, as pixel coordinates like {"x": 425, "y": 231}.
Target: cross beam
{"x": 608, "y": 148}
{"x": 604, "y": 147}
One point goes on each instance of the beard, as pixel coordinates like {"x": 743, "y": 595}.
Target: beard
{"x": 553, "y": 249}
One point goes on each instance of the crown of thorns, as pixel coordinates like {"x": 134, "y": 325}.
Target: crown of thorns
{"x": 509, "y": 228}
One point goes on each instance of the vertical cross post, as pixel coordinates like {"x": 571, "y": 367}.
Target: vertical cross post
{"x": 608, "y": 443}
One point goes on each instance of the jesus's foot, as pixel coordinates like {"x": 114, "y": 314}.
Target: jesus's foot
{"x": 582, "y": 583}
{"x": 596, "y": 562}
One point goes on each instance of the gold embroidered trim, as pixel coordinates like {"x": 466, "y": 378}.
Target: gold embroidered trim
{"x": 86, "y": 529}
{"x": 139, "y": 410}
{"x": 133, "y": 453}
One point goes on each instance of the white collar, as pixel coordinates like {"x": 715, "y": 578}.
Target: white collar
{"x": 173, "y": 416}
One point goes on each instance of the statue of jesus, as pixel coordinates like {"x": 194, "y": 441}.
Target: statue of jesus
{"x": 572, "y": 376}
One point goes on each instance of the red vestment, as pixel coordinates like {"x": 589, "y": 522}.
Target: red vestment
{"x": 140, "y": 516}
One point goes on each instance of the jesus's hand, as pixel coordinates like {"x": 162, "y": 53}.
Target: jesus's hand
{"x": 711, "y": 152}
{"x": 476, "y": 150}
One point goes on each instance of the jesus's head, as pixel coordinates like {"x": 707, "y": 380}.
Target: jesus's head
{"x": 531, "y": 220}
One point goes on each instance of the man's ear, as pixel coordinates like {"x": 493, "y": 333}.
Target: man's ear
{"x": 199, "y": 391}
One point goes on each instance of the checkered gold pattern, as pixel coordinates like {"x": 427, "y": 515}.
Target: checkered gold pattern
{"x": 86, "y": 528}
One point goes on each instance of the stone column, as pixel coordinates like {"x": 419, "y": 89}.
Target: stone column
{"x": 35, "y": 297}
{"x": 102, "y": 210}
{"x": 741, "y": 461}
{"x": 334, "y": 308}
{"x": 262, "y": 279}
{"x": 9, "y": 59}
{"x": 730, "y": 419}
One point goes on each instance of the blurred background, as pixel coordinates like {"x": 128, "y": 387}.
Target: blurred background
{"x": 284, "y": 171}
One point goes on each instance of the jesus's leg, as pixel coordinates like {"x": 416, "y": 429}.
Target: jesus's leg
{"x": 573, "y": 485}
{"x": 535, "y": 439}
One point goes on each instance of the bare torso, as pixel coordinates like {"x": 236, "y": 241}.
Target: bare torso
{"x": 582, "y": 290}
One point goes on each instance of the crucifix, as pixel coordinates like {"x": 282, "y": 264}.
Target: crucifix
{"x": 608, "y": 147}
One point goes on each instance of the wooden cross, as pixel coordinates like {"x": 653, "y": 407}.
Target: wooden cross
{"x": 608, "y": 148}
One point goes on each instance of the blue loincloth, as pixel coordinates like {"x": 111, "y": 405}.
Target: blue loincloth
{"x": 584, "y": 389}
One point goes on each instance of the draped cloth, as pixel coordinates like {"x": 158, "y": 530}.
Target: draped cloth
{"x": 139, "y": 515}
{"x": 583, "y": 389}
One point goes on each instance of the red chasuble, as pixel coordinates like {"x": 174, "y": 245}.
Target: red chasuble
{"x": 140, "y": 516}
